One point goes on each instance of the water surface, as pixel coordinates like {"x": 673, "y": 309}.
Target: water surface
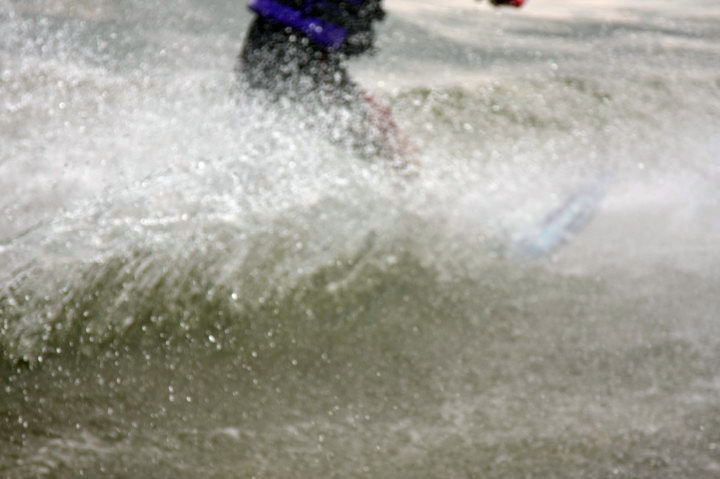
{"x": 194, "y": 287}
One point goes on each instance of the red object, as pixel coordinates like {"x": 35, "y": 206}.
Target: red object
{"x": 380, "y": 115}
{"x": 513, "y": 3}
{"x": 381, "y": 120}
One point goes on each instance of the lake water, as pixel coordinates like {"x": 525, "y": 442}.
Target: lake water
{"x": 192, "y": 286}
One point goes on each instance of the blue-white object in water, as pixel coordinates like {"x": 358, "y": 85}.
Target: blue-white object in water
{"x": 563, "y": 222}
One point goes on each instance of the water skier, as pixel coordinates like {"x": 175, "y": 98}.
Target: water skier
{"x": 296, "y": 50}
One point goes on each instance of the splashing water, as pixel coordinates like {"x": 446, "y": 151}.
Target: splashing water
{"x": 196, "y": 286}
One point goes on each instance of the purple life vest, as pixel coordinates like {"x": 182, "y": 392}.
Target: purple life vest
{"x": 321, "y": 32}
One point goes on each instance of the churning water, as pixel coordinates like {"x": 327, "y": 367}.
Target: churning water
{"x": 192, "y": 286}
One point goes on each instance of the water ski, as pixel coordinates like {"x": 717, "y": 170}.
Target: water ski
{"x": 564, "y": 221}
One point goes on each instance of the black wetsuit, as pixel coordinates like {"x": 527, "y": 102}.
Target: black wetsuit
{"x": 280, "y": 64}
